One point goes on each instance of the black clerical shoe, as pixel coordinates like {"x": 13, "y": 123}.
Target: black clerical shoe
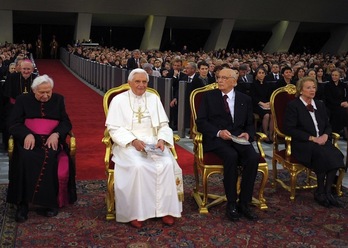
{"x": 48, "y": 212}
{"x": 247, "y": 212}
{"x": 321, "y": 199}
{"x": 22, "y": 213}
{"x": 232, "y": 212}
{"x": 333, "y": 200}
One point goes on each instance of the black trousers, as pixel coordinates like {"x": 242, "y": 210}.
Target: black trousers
{"x": 234, "y": 155}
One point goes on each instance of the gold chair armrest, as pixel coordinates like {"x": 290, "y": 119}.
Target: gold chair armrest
{"x": 288, "y": 146}
{"x": 176, "y": 139}
{"x": 198, "y": 146}
{"x": 10, "y": 147}
{"x": 108, "y": 146}
{"x": 72, "y": 144}
{"x": 259, "y": 138}
{"x": 335, "y": 138}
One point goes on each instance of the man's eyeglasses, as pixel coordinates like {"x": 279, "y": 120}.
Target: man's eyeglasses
{"x": 223, "y": 78}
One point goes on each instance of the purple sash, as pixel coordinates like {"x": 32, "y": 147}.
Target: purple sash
{"x": 45, "y": 127}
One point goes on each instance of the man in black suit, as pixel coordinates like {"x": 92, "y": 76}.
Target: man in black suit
{"x": 218, "y": 120}
{"x": 177, "y": 75}
{"x": 134, "y": 61}
{"x": 245, "y": 79}
{"x": 274, "y": 76}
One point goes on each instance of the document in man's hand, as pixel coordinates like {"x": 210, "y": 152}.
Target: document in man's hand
{"x": 240, "y": 141}
{"x": 151, "y": 149}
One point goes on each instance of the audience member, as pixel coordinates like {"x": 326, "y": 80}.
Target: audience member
{"x": 177, "y": 74}
{"x": 274, "y": 76}
{"x": 134, "y": 61}
{"x": 286, "y": 79}
{"x": 307, "y": 123}
{"x": 202, "y": 78}
{"x": 336, "y": 100}
{"x": 261, "y": 92}
{"x": 148, "y": 68}
{"x": 245, "y": 80}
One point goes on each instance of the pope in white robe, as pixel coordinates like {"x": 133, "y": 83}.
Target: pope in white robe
{"x": 147, "y": 177}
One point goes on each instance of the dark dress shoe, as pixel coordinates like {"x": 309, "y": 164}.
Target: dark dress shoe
{"x": 333, "y": 201}
{"x": 136, "y": 223}
{"x": 321, "y": 199}
{"x": 168, "y": 220}
{"x": 51, "y": 212}
{"x": 21, "y": 213}
{"x": 48, "y": 212}
{"x": 247, "y": 212}
{"x": 232, "y": 212}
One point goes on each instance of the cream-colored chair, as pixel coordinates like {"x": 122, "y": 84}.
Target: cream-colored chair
{"x": 207, "y": 163}
{"x": 282, "y": 147}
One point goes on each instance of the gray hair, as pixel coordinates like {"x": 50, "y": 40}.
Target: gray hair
{"x": 147, "y": 66}
{"x": 137, "y": 71}
{"x": 40, "y": 80}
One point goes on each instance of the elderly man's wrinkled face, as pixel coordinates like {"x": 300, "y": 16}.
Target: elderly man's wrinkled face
{"x": 227, "y": 80}
{"x": 26, "y": 69}
{"x": 138, "y": 84}
{"x": 43, "y": 92}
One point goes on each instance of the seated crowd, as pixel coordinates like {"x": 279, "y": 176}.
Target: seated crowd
{"x": 245, "y": 79}
{"x": 259, "y": 75}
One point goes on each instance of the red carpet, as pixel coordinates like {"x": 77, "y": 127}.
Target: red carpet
{"x": 85, "y": 109}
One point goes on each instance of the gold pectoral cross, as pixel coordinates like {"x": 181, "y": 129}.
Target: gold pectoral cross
{"x": 25, "y": 90}
{"x": 139, "y": 115}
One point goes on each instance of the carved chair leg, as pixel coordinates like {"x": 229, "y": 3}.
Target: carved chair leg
{"x": 264, "y": 170}
{"x": 293, "y": 176}
{"x": 341, "y": 173}
{"x": 110, "y": 197}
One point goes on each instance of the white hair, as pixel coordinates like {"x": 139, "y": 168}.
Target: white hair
{"x": 137, "y": 71}
{"x": 40, "y": 80}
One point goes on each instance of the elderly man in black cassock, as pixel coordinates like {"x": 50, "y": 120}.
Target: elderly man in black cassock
{"x": 41, "y": 172}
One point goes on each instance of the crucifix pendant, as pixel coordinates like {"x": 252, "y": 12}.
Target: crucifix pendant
{"x": 139, "y": 115}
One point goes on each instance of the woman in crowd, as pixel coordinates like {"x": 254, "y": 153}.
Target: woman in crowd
{"x": 306, "y": 121}
{"x": 261, "y": 93}
{"x": 299, "y": 73}
{"x": 336, "y": 100}
{"x": 320, "y": 75}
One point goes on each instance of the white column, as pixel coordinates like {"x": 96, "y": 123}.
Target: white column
{"x": 220, "y": 35}
{"x": 282, "y": 36}
{"x": 6, "y": 26}
{"x": 83, "y": 27}
{"x": 152, "y": 37}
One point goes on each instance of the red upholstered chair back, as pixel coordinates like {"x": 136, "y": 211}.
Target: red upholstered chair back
{"x": 196, "y": 99}
{"x": 279, "y": 99}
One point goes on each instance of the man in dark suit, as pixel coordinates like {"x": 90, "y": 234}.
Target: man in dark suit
{"x": 177, "y": 75}
{"x": 245, "y": 79}
{"x": 218, "y": 120}
{"x": 134, "y": 61}
{"x": 274, "y": 76}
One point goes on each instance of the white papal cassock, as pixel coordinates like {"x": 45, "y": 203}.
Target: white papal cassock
{"x": 146, "y": 185}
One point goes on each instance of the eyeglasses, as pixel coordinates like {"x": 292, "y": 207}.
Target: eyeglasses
{"x": 223, "y": 78}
